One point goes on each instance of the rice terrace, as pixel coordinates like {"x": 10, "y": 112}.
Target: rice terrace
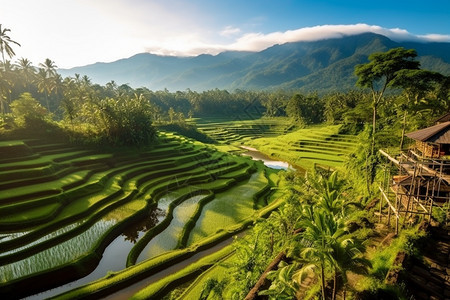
{"x": 309, "y": 169}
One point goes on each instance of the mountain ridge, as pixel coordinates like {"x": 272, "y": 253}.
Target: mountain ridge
{"x": 323, "y": 65}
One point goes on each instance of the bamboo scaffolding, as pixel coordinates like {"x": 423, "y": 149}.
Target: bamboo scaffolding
{"x": 420, "y": 185}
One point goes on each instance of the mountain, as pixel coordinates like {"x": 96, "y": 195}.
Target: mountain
{"x": 323, "y": 65}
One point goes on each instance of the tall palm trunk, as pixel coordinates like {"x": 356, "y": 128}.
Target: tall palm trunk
{"x": 403, "y": 130}
{"x": 333, "y": 296}
{"x": 48, "y": 103}
{"x": 2, "y": 106}
{"x": 374, "y": 124}
{"x": 322, "y": 274}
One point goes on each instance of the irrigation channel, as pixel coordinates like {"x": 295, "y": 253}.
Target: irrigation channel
{"x": 115, "y": 255}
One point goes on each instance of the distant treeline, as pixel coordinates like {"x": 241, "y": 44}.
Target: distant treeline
{"x": 82, "y": 106}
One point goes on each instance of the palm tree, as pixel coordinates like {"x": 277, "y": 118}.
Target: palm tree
{"x": 69, "y": 100}
{"x": 26, "y": 71}
{"x": 326, "y": 246}
{"x": 45, "y": 85}
{"x": 5, "y": 42}
{"x": 322, "y": 230}
{"x": 49, "y": 67}
{"x": 4, "y": 90}
{"x": 347, "y": 256}
{"x": 8, "y": 80}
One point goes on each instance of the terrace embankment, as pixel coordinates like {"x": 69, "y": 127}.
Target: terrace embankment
{"x": 65, "y": 209}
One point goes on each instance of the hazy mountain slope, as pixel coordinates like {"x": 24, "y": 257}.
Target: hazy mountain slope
{"x": 320, "y": 65}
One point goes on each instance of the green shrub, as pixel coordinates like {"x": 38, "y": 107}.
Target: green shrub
{"x": 27, "y": 109}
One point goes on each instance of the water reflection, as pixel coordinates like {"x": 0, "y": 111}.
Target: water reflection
{"x": 274, "y": 164}
{"x": 132, "y": 233}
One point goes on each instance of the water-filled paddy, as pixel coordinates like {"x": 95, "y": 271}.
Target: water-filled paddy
{"x": 169, "y": 237}
{"x": 166, "y": 182}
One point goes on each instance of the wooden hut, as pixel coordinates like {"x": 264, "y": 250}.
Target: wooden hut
{"x": 422, "y": 180}
{"x": 434, "y": 141}
{"x": 443, "y": 119}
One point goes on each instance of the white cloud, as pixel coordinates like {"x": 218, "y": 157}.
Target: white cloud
{"x": 230, "y": 31}
{"x": 260, "y": 41}
{"x": 80, "y": 32}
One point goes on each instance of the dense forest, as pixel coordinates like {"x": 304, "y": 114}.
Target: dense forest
{"x": 320, "y": 228}
{"x": 39, "y": 93}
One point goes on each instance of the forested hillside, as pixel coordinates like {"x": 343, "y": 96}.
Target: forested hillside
{"x": 325, "y": 65}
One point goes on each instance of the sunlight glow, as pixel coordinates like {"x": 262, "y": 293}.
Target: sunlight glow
{"x": 80, "y": 32}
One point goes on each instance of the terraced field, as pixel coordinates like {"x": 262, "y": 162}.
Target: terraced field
{"x": 321, "y": 145}
{"x": 228, "y": 131}
{"x": 63, "y": 209}
{"x": 279, "y": 139}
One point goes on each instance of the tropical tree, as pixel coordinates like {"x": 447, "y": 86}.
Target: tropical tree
{"x": 5, "y": 43}
{"x": 8, "y": 79}
{"x": 45, "y": 84}
{"x": 322, "y": 230}
{"x": 172, "y": 115}
{"x": 69, "y": 102}
{"x": 331, "y": 250}
{"x": 27, "y": 108}
{"x": 379, "y": 73}
{"x": 325, "y": 246}
{"x": 26, "y": 71}
{"x": 327, "y": 191}
{"x": 126, "y": 121}
{"x": 49, "y": 67}
{"x": 416, "y": 84}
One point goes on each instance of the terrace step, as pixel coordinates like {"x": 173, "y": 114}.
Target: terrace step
{"x": 14, "y": 149}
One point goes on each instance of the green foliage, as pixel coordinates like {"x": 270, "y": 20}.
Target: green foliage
{"x": 126, "y": 121}
{"x": 360, "y": 166}
{"x": 253, "y": 253}
{"x": 305, "y": 109}
{"x": 383, "y": 259}
{"x": 384, "y": 65}
{"x": 338, "y": 104}
{"x": 440, "y": 213}
{"x": 26, "y": 109}
{"x": 284, "y": 285}
{"x": 213, "y": 289}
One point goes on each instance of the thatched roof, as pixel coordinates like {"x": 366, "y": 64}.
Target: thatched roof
{"x": 438, "y": 134}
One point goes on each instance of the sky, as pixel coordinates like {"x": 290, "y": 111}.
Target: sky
{"x": 80, "y": 32}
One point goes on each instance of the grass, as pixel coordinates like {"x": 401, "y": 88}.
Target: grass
{"x": 218, "y": 272}
{"x": 161, "y": 287}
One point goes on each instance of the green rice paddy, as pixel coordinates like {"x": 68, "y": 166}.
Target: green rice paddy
{"x": 61, "y": 205}
{"x": 323, "y": 146}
